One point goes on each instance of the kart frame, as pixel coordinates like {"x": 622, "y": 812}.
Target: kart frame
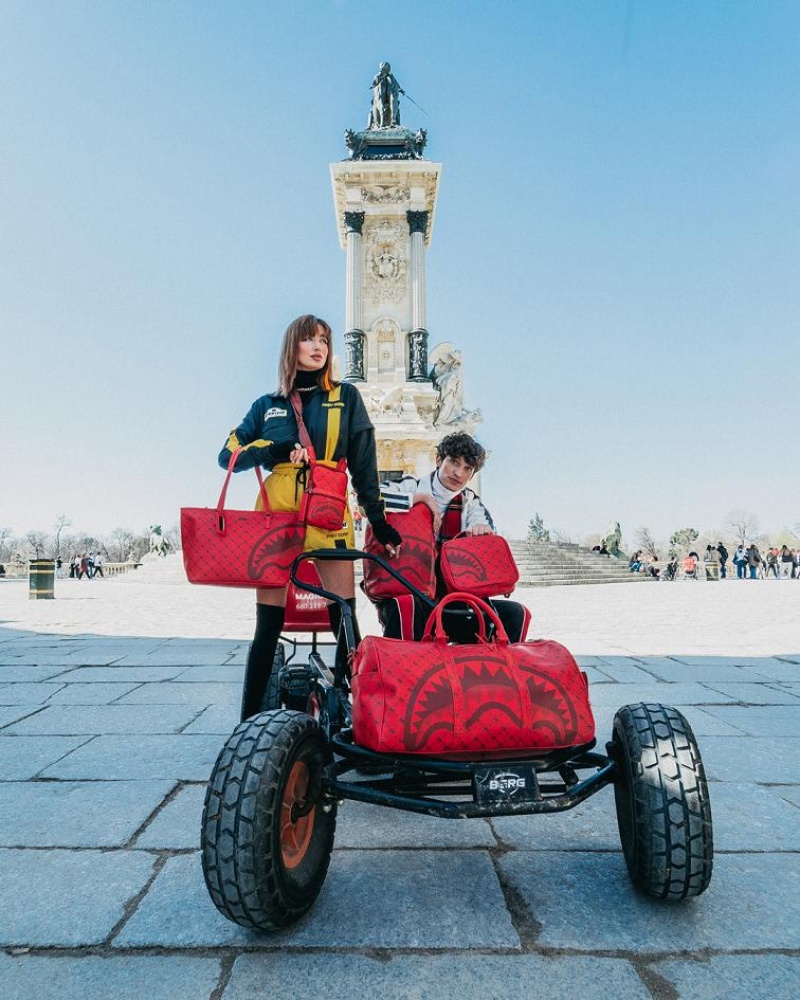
{"x": 447, "y": 788}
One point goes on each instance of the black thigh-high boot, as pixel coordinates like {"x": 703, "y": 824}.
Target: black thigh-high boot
{"x": 269, "y": 622}
{"x": 335, "y": 616}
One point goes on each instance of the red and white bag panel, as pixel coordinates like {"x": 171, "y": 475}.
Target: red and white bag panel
{"x": 481, "y": 565}
{"x": 416, "y": 560}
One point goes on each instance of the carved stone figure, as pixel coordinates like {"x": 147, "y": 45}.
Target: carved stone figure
{"x": 158, "y": 542}
{"x": 612, "y": 540}
{"x": 447, "y": 377}
{"x": 385, "y": 110}
{"x": 390, "y": 402}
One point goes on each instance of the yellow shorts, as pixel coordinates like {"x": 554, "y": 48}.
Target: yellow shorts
{"x": 285, "y": 491}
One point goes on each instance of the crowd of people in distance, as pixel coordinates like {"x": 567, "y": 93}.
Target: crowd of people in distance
{"x": 781, "y": 563}
{"x": 88, "y": 564}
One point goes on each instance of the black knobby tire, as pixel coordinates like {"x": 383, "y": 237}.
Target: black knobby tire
{"x": 264, "y": 861}
{"x": 663, "y": 808}
{"x": 272, "y": 693}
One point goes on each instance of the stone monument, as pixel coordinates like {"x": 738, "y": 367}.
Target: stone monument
{"x": 385, "y": 199}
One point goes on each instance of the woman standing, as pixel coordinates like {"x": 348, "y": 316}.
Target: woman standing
{"x": 339, "y": 427}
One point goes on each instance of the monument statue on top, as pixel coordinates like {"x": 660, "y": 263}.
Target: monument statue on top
{"x": 385, "y": 110}
{"x": 384, "y": 137}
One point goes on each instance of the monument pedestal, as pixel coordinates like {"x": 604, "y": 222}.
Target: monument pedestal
{"x": 385, "y": 200}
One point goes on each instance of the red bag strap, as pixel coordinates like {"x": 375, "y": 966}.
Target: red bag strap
{"x": 435, "y": 618}
{"x": 221, "y": 502}
{"x": 302, "y": 430}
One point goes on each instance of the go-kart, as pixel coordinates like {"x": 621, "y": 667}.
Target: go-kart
{"x": 270, "y": 808}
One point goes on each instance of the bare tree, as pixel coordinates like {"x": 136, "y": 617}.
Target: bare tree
{"x": 647, "y": 542}
{"x": 37, "y": 543}
{"x": 5, "y": 534}
{"x": 62, "y": 521}
{"x": 744, "y": 524}
{"x": 119, "y": 544}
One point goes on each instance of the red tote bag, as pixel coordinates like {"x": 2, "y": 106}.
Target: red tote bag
{"x": 240, "y": 548}
{"x": 484, "y": 699}
{"x": 416, "y": 560}
{"x": 481, "y": 565}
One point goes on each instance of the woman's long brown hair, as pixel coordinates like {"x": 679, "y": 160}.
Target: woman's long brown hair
{"x": 302, "y": 328}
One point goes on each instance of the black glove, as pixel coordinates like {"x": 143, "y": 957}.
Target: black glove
{"x": 281, "y": 450}
{"x": 386, "y": 534}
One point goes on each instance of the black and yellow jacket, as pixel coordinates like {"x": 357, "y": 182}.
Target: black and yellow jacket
{"x": 268, "y": 433}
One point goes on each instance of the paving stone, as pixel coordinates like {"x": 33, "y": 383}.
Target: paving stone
{"x": 701, "y": 722}
{"x": 140, "y": 758}
{"x": 20, "y": 673}
{"x": 753, "y": 760}
{"x": 790, "y": 794}
{"x": 760, "y": 694}
{"x": 224, "y": 674}
{"x": 91, "y": 693}
{"x": 120, "y": 675}
{"x": 665, "y": 694}
{"x": 755, "y": 663}
{"x": 733, "y": 977}
{"x": 66, "y": 898}
{"x": 76, "y": 814}
{"x": 778, "y": 671}
{"x": 27, "y": 694}
{"x": 434, "y": 977}
{"x": 198, "y": 654}
{"x": 752, "y": 818}
{"x": 590, "y": 826}
{"x": 124, "y": 977}
{"x": 367, "y": 826}
{"x": 388, "y": 897}
{"x": 23, "y": 757}
{"x": 757, "y": 720}
{"x": 587, "y": 902}
{"x": 96, "y": 719}
{"x": 221, "y": 719}
{"x": 716, "y": 670}
{"x": 172, "y": 693}
{"x": 625, "y": 670}
{"x": 10, "y": 714}
{"x": 177, "y": 826}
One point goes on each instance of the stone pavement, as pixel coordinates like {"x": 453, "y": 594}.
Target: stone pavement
{"x": 116, "y": 697}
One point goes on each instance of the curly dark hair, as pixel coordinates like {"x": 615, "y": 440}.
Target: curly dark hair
{"x": 462, "y": 446}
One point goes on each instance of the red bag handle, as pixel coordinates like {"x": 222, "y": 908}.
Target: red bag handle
{"x": 221, "y": 502}
{"x": 435, "y": 618}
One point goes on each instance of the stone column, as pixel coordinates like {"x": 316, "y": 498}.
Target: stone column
{"x": 354, "y": 335}
{"x": 418, "y": 336}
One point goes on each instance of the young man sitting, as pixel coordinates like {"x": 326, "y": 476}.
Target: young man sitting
{"x": 456, "y": 508}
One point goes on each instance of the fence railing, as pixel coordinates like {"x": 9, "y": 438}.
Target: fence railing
{"x": 19, "y": 571}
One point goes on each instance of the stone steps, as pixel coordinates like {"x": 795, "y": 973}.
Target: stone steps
{"x": 550, "y": 564}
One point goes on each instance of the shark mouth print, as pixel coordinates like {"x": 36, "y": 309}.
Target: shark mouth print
{"x": 465, "y": 567}
{"x": 277, "y": 548}
{"x": 492, "y": 703}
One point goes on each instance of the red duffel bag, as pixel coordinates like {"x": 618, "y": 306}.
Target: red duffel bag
{"x": 416, "y": 560}
{"x": 481, "y": 565}
{"x": 483, "y": 699}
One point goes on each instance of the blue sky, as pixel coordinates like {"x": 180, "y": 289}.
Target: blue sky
{"x": 616, "y": 247}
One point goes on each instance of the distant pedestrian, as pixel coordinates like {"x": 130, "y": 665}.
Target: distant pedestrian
{"x": 723, "y": 560}
{"x": 787, "y": 562}
{"x": 99, "y": 559}
{"x": 753, "y": 560}
{"x": 740, "y": 561}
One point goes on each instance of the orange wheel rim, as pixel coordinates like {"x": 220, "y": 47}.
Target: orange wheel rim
{"x": 296, "y": 830}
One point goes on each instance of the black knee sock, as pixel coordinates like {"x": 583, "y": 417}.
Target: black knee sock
{"x": 335, "y": 616}
{"x": 269, "y": 622}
